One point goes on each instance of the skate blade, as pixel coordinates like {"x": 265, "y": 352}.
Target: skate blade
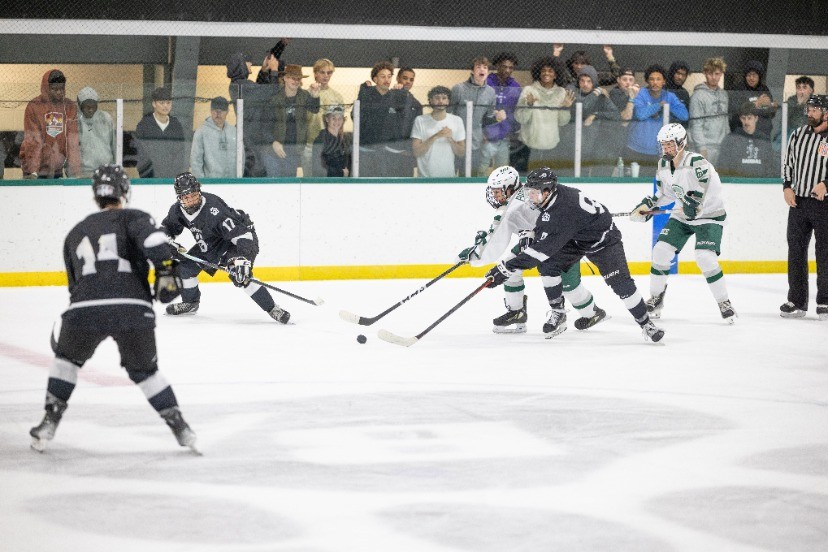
{"x": 195, "y": 450}
{"x": 515, "y": 328}
{"x": 38, "y": 444}
{"x": 550, "y": 335}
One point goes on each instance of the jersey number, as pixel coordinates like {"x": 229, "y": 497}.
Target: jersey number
{"x": 107, "y": 251}
{"x": 590, "y": 206}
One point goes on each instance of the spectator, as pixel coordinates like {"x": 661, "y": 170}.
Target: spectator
{"x": 50, "y": 127}
{"x": 599, "y": 114}
{"x": 745, "y": 152}
{"x": 405, "y": 81}
{"x": 96, "y": 132}
{"x": 797, "y": 110}
{"x": 499, "y": 139}
{"x": 272, "y": 67}
{"x": 543, "y": 107}
{"x": 579, "y": 59}
{"x": 676, "y": 77}
{"x": 386, "y": 119}
{"x": 323, "y": 70}
{"x": 483, "y": 99}
{"x": 160, "y": 140}
{"x": 753, "y": 90}
{"x": 623, "y": 95}
{"x": 332, "y": 147}
{"x": 214, "y": 144}
{"x": 292, "y": 105}
{"x": 439, "y": 138}
{"x": 259, "y": 158}
{"x": 708, "y": 111}
{"x": 642, "y": 143}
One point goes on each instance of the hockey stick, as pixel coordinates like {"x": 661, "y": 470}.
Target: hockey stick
{"x": 385, "y": 335}
{"x": 652, "y": 212}
{"x": 183, "y": 252}
{"x": 367, "y": 321}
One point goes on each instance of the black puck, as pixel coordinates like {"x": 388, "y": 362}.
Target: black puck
{"x": 361, "y": 338}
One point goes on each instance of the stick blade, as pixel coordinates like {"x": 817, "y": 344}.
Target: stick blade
{"x": 348, "y": 316}
{"x": 385, "y": 335}
{"x": 318, "y": 301}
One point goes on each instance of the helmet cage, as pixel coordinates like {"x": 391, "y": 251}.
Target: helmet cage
{"x": 675, "y": 133}
{"x": 186, "y": 184}
{"x": 507, "y": 180}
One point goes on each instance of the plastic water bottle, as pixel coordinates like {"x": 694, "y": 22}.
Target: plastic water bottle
{"x": 619, "y": 167}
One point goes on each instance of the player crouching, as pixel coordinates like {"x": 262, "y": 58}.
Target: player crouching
{"x": 223, "y": 235}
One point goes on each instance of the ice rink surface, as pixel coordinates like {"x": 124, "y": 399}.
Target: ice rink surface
{"x": 715, "y": 440}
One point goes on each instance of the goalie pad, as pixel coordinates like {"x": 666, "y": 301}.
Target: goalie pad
{"x": 167, "y": 281}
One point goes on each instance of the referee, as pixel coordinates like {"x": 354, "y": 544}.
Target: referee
{"x": 805, "y": 174}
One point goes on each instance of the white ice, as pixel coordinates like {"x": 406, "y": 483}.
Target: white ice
{"x": 715, "y": 440}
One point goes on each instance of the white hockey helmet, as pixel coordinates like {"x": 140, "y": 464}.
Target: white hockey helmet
{"x": 507, "y": 180}
{"x": 673, "y": 132}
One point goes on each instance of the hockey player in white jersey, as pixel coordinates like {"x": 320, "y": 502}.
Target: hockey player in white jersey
{"x": 516, "y": 215}
{"x": 689, "y": 180}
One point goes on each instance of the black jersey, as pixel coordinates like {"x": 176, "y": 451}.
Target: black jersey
{"x": 570, "y": 219}
{"x": 217, "y": 228}
{"x": 106, "y": 257}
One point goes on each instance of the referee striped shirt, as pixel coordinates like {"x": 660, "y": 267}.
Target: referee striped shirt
{"x": 806, "y": 163}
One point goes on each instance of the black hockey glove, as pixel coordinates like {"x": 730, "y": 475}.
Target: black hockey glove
{"x": 691, "y": 203}
{"x": 498, "y": 274}
{"x": 167, "y": 281}
{"x": 239, "y": 271}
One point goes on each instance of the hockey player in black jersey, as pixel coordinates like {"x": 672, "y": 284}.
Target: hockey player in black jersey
{"x": 106, "y": 257}
{"x": 223, "y": 235}
{"x": 569, "y": 227}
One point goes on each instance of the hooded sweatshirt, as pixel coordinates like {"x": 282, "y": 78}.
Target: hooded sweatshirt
{"x": 597, "y": 104}
{"x": 540, "y": 127}
{"x": 483, "y": 98}
{"x": 744, "y": 93}
{"x": 681, "y": 93}
{"x": 214, "y": 151}
{"x": 748, "y": 155}
{"x": 708, "y": 116}
{"x": 50, "y": 138}
{"x": 259, "y": 118}
{"x": 97, "y": 135}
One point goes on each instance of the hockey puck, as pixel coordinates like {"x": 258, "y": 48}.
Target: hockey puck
{"x": 361, "y": 338}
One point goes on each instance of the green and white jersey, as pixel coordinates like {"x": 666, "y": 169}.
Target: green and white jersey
{"x": 517, "y": 215}
{"x": 693, "y": 174}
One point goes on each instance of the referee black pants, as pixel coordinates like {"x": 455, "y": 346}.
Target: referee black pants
{"x": 810, "y": 216}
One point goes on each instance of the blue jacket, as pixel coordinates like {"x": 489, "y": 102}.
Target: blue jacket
{"x": 647, "y": 120}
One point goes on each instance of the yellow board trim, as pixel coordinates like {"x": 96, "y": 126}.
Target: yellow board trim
{"x": 380, "y": 272}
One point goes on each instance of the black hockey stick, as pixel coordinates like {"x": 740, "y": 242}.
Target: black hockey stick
{"x": 183, "y": 252}
{"x": 367, "y": 321}
{"x": 385, "y": 335}
{"x": 652, "y": 212}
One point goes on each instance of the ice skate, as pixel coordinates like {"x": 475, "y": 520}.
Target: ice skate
{"x": 822, "y": 312}
{"x": 182, "y": 308}
{"x": 45, "y": 431}
{"x": 586, "y": 322}
{"x": 280, "y": 315}
{"x": 728, "y": 314}
{"x": 655, "y": 304}
{"x": 556, "y": 323}
{"x": 789, "y": 310}
{"x": 185, "y": 436}
{"x": 652, "y": 332}
{"x": 514, "y": 321}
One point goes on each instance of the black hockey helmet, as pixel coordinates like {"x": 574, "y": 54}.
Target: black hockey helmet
{"x": 186, "y": 183}
{"x": 543, "y": 179}
{"x": 110, "y": 182}
{"x": 817, "y": 100}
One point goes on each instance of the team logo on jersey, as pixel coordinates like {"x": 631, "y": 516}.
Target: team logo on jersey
{"x": 214, "y": 211}
{"x": 701, "y": 174}
{"x": 54, "y": 123}
{"x": 678, "y": 190}
{"x": 545, "y": 217}
{"x": 823, "y": 149}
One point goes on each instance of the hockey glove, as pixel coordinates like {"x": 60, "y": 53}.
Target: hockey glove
{"x": 691, "y": 204}
{"x": 167, "y": 281}
{"x": 480, "y": 238}
{"x": 498, "y": 274}
{"x": 639, "y": 213}
{"x": 239, "y": 271}
{"x": 469, "y": 254}
{"x": 525, "y": 239}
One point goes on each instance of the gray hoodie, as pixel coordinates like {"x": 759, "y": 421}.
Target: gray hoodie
{"x": 483, "y": 98}
{"x": 214, "y": 151}
{"x": 708, "y": 116}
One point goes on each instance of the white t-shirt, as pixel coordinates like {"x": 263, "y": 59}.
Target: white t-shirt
{"x": 438, "y": 161}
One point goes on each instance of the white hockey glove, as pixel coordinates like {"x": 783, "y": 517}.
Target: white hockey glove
{"x": 470, "y": 253}
{"x": 640, "y": 212}
{"x": 240, "y": 271}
